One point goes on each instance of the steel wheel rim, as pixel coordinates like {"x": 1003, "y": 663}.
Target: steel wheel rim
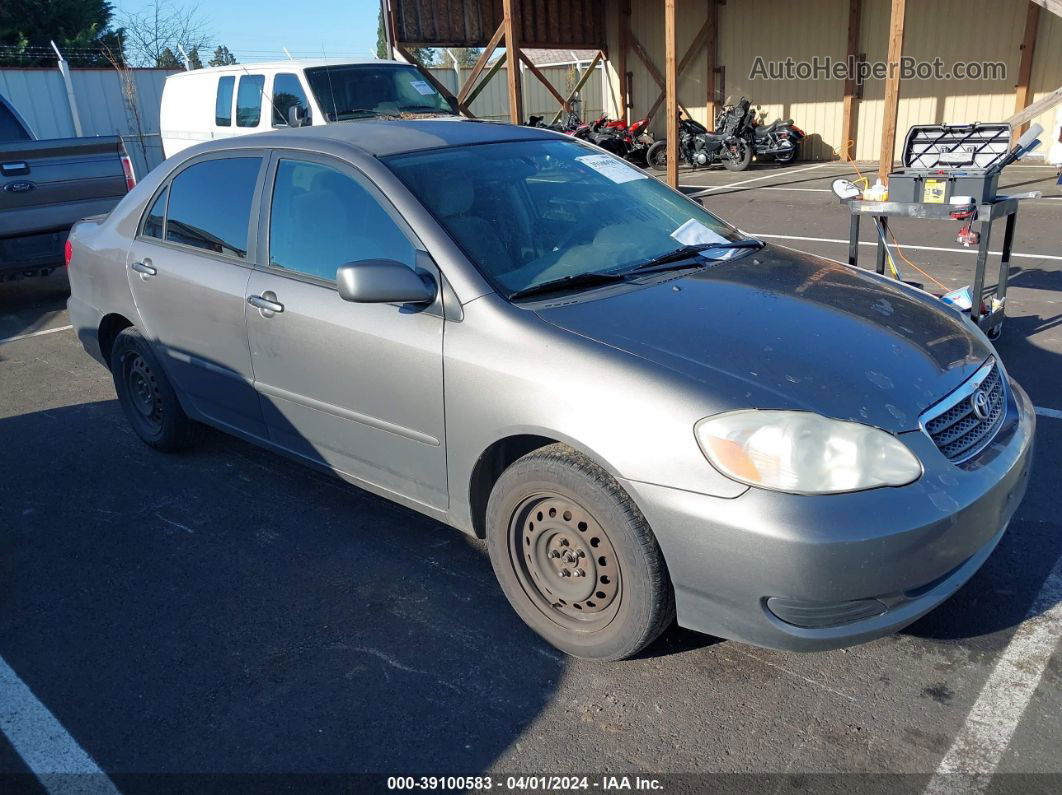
{"x": 143, "y": 390}
{"x": 549, "y": 535}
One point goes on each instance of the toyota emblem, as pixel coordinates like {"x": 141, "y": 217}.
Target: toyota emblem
{"x": 980, "y": 405}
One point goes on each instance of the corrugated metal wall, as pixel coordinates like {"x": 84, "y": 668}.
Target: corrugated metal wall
{"x": 40, "y": 96}
{"x": 471, "y": 23}
{"x": 493, "y": 101}
{"x": 954, "y": 30}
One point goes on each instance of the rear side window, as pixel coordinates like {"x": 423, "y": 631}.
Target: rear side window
{"x": 223, "y": 105}
{"x": 322, "y": 218}
{"x": 155, "y": 216}
{"x": 10, "y": 129}
{"x": 210, "y": 205}
{"x": 249, "y": 100}
{"x": 287, "y": 94}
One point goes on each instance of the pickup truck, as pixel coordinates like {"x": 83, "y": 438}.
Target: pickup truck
{"x": 47, "y": 186}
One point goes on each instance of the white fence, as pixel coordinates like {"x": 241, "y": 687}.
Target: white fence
{"x": 40, "y": 96}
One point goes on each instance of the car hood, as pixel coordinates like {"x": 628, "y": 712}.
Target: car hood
{"x": 780, "y": 329}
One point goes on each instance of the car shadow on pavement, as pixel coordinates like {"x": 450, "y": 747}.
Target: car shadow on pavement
{"x": 26, "y": 305}
{"x": 228, "y": 610}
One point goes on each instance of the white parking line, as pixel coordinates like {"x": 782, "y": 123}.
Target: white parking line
{"x": 903, "y": 245}
{"x": 48, "y": 750}
{"x": 36, "y": 334}
{"x": 1052, "y": 413}
{"x": 770, "y": 175}
{"x": 975, "y": 754}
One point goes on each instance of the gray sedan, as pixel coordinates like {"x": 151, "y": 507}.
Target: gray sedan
{"x": 646, "y": 413}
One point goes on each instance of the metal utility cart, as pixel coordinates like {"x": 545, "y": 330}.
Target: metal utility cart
{"x": 989, "y": 311}
{"x": 951, "y": 173}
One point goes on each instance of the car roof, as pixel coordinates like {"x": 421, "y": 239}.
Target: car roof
{"x": 285, "y": 66}
{"x": 380, "y": 138}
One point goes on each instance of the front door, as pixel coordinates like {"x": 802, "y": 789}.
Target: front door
{"x": 356, "y": 386}
{"x": 188, "y": 269}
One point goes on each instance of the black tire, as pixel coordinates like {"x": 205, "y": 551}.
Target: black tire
{"x": 554, "y": 510}
{"x": 789, "y": 156}
{"x": 656, "y": 156}
{"x": 147, "y": 397}
{"x": 743, "y": 158}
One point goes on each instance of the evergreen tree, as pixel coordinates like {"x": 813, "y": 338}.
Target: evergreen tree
{"x": 222, "y": 57}
{"x": 80, "y": 28}
{"x": 194, "y": 61}
{"x": 167, "y": 60}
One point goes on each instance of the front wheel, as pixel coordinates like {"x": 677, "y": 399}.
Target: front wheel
{"x": 656, "y": 155}
{"x": 575, "y": 557}
{"x": 736, "y": 156}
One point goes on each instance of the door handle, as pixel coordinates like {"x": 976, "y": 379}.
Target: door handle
{"x": 265, "y": 304}
{"x": 144, "y": 269}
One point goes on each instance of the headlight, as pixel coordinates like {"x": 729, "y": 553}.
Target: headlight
{"x": 800, "y": 452}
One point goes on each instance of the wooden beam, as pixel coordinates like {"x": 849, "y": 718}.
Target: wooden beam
{"x": 851, "y": 101}
{"x": 511, "y": 23}
{"x": 687, "y": 59}
{"x": 1042, "y": 105}
{"x": 494, "y": 69}
{"x": 890, "y": 112}
{"x": 582, "y": 81}
{"x": 1028, "y": 45}
{"x": 621, "y": 59}
{"x": 543, "y": 80}
{"x": 481, "y": 63}
{"x": 671, "y": 91}
{"x": 711, "y": 54}
{"x": 650, "y": 67}
{"x": 1054, "y": 6}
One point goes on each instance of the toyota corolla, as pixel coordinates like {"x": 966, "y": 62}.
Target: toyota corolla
{"x": 646, "y": 413}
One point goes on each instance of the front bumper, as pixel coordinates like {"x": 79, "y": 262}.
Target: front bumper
{"x": 909, "y": 548}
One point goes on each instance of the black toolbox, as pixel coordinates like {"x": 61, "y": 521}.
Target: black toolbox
{"x": 945, "y": 160}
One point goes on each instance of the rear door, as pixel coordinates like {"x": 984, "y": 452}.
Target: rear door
{"x": 355, "y": 386}
{"x": 188, "y": 269}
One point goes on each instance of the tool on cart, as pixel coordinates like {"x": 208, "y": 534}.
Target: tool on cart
{"x": 950, "y": 172}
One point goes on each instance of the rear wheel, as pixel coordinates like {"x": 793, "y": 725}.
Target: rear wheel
{"x": 575, "y": 557}
{"x": 789, "y": 156}
{"x": 147, "y": 397}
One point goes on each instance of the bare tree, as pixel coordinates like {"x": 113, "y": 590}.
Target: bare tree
{"x": 163, "y": 26}
{"x": 130, "y": 96}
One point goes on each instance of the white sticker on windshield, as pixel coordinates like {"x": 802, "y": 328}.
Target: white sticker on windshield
{"x": 422, "y": 88}
{"x": 616, "y": 170}
{"x": 694, "y": 233}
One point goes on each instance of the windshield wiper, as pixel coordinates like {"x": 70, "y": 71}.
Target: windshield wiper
{"x": 424, "y": 109}
{"x": 576, "y": 281}
{"x": 680, "y": 256}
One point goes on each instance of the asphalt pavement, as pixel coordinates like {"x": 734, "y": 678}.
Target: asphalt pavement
{"x": 227, "y": 611}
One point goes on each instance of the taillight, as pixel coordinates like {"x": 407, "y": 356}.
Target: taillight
{"x": 798, "y": 131}
{"x": 130, "y": 174}
{"x": 68, "y": 253}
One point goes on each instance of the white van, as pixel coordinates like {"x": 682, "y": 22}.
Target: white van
{"x": 225, "y": 101}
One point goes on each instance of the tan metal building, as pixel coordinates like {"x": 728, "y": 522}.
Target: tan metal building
{"x": 714, "y": 47}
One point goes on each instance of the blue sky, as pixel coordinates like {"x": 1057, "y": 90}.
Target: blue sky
{"x": 253, "y": 29}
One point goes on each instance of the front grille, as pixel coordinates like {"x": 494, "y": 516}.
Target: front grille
{"x": 954, "y": 425}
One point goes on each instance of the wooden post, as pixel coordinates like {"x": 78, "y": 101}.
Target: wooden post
{"x": 890, "y": 113}
{"x": 480, "y": 65}
{"x": 511, "y": 10}
{"x": 711, "y": 54}
{"x": 1028, "y": 45}
{"x": 671, "y": 93}
{"x": 848, "y": 124}
{"x": 621, "y": 58}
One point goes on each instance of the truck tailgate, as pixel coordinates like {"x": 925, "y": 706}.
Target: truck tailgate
{"x": 48, "y": 185}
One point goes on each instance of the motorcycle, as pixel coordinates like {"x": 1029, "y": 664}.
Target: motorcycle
{"x": 699, "y": 147}
{"x": 780, "y": 139}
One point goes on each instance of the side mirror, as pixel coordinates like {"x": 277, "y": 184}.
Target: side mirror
{"x": 384, "y": 281}
{"x": 297, "y": 116}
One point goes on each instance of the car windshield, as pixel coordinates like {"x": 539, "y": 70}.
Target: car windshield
{"x": 366, "y": 90}
{"x": 531, "y": 212}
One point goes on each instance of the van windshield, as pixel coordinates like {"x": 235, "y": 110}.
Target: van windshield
{"x": 366, "y": 90}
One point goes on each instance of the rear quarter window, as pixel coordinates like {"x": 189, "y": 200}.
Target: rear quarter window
{"x": 223, "y": 103}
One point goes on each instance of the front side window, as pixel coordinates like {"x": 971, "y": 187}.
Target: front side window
{"x": 210, "y": 205}
{"x": 288, "y": 94}
{"x": 366, "y": 90}
{"x": 10, "y": 128}
{"x": 531, "y": 212}
{"x": 223, "y": 103}
{"x": 322, "y": 218}
{"x": 249, "y": 100}
{"x": 156, "y": 216}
